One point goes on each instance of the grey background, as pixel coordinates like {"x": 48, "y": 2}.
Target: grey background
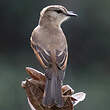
{"x": 88, "y": 38}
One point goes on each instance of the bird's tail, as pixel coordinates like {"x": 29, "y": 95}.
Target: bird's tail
{"x": 52, "y": 93}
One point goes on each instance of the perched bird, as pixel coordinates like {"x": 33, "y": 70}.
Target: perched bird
{"x": 50, "y": 46}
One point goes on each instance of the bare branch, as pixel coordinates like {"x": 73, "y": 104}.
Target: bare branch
{"x": 35, "y": 89}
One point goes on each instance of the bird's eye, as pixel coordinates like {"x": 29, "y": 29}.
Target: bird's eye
{"x": 59, "y": 11}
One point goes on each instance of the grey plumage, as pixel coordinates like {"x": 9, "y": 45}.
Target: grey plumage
{"x": 50, "y": 46}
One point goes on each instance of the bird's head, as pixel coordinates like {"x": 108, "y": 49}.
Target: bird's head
{"x": 56, "y": 14}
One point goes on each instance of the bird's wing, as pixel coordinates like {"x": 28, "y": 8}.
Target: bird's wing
{"x": 42, "y": 55}
{"x": 61, "y": 58}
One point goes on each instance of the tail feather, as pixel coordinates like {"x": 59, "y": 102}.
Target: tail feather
{"x": 58, "y": 94}
{"x": 53, "y": 94}
{"x": 47, "y": 99}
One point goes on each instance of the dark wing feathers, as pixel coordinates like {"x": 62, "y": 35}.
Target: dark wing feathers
{"x": 42, "y": 55}
{"x": 61, "y": 59}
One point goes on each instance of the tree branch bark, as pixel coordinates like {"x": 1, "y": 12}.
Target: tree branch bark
{"x": 34, "y": 88}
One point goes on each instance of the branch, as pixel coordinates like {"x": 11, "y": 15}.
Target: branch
{"x": 35, "y": 88}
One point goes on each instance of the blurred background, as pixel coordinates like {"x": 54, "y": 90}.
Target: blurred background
{"x": 88, "y": 38}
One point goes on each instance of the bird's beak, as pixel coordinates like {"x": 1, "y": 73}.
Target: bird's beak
{"x": 71, "y": 13}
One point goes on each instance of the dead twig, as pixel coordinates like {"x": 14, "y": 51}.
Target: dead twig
{"x": 35, "y": 88}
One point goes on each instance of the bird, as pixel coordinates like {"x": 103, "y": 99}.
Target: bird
{"x": 49, "y": 44}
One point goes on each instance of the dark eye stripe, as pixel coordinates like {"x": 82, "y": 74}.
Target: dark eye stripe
{"x": 59, "y": 11}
